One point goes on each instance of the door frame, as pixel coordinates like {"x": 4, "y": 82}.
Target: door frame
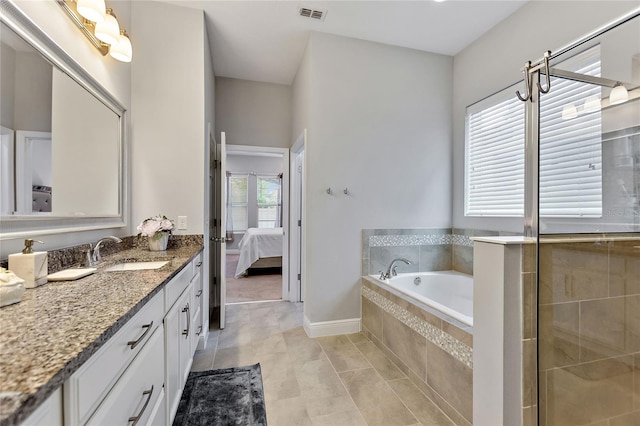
{"x": 298, "y": 181}
{"x": 247, "y": 149}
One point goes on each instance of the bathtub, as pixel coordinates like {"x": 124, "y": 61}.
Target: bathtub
{"x": 449, "y": 292}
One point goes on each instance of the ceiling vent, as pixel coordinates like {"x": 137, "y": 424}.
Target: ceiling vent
{"x": 312, "y": 13}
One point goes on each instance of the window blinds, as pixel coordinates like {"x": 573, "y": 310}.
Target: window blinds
{"x": 570, "y": 150}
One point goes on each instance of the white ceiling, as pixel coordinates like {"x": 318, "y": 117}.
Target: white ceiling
{"x": 265, "y": 40}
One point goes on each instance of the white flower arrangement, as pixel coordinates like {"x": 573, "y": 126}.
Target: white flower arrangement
{"x": 154, "y": 227}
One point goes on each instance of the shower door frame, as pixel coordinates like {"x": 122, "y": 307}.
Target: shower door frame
{"x": 532, "y": 151}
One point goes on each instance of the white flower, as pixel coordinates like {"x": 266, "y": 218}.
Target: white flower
{"x": 153, "y": 225}
{"x": 166, "y": 225}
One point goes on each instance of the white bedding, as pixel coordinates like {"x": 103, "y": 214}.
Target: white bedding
{"x": 257, "y": 243}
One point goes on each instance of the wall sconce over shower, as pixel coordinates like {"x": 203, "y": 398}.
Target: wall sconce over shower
{"x": 618, "y": 95}
{"x": 100, "y": 25}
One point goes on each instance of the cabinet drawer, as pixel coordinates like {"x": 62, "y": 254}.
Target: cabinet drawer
{"x": 84, "y": 390}
{"x": 135, "y": 395}
{"x": 176, "y": 286}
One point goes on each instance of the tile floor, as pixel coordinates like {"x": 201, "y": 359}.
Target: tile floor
{"x": 333, "y": 381}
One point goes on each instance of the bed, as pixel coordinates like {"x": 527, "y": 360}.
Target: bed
{"x": 259, "y": 248}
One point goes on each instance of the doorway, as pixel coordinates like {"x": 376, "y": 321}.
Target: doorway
{"x": 257, "y": 183}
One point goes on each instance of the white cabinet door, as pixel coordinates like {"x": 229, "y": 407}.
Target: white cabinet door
{"x": 49, "y": 413}
{"x": 178, "y": 331}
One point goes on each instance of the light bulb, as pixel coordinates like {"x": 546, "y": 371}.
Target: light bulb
{"x": 122, "y": 50}
{"x": 591, "y": 104}
{"x": 93, "y": 10}
{"x": 569, "y": 111}
{"x": 108, "y": 31}
{"x": 618, "y": 95}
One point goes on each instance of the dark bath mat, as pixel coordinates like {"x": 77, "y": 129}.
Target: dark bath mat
{"x": 229, "y": 396}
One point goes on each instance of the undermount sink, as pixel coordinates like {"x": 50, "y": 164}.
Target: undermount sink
{"x": 136, "y": 266}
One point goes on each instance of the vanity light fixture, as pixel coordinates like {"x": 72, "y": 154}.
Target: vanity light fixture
{"x": 108, "y": 31}
{"x": 93, "y": 10}
{"x": 618, "y": 95}
{"x": 102, "y": 28}
{"x": 122, "y": 50}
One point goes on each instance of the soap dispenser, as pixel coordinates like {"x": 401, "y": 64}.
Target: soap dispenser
{"x": 31, "y": 266}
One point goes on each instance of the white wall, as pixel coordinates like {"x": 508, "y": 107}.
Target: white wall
{"x": 168, "y": 119}
{"x": 494, "y": 61}
{"x": 253, "y": 113}
{"x": 379, "y": 122}
{"x": 301, "y": 95}
{"x": 85, "y": 155}
{"x": 32, "y": 105}
{"x": 254, "y": 163}
{"x": 113, "y": 75}
{"x": 7, "y": 85}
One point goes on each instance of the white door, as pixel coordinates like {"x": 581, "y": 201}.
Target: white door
{"x": 297, "y": 222}
{"x": 222, "y": 238}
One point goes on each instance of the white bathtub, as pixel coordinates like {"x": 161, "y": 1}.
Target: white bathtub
{"x": 449, "y": 292}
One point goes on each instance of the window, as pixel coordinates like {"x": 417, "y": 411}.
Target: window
{"x": 570, "y": 149}
{"x": 239, "y": 202}
{"x": 269, "y": 202}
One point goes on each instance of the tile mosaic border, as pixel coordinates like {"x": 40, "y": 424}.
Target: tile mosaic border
{"x": 438, "y": 337}
{"x": 419, "y": 240}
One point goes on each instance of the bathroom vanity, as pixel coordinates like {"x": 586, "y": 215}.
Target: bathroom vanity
{"x": 111, "y": 348}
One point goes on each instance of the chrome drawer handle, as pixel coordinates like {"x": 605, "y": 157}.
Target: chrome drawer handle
{"x": 134, "y": 343}
{"x": 199, "y": 293}
{"x": 199, "y": 331}
{"x": 144, "y": 407}
{"x": 188, "y": 312}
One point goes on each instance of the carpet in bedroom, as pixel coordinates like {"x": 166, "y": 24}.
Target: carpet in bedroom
{"x": 251, "y": 288}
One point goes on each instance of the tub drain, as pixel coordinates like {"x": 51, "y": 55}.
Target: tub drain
{"x": 417, "y": 280}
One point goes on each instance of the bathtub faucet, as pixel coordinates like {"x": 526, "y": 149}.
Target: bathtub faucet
{"x": 392, "y": 270}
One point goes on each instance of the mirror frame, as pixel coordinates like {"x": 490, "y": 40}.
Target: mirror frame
{"x": 14, "y": 227}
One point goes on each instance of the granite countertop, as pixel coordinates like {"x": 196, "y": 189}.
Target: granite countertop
{"x": 56, "y": 327}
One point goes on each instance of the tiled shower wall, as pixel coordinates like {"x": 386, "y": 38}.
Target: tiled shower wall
{"x": 589, "y": 332}
{"x": 437, "y": 249}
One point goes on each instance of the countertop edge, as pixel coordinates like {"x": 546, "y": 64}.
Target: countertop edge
{"x": 31, "y": 403}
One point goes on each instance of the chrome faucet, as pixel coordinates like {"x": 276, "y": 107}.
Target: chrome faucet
{"x": 93, "y": 254}
{"x": 392, "y": 270}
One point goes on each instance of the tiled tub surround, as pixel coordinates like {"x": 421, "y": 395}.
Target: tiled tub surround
{"x": 438, "y": 249}
{"x": 433, "y": 350}
{"x": 58, "y": 326}
{"x": 589, "y": 330}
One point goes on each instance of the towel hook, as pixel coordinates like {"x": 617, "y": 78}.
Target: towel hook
{"x": 547, "y": 54}
{"x": 527, "y": 83}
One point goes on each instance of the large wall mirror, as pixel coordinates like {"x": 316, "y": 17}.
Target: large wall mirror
{"x": 62, "y": 154}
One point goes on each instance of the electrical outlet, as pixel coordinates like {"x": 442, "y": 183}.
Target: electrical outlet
{"x": 182, "y": 222}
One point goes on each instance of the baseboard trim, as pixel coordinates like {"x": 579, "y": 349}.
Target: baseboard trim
{"x": 331, "y": 328}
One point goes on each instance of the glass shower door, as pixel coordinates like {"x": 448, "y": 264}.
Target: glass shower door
{"x": 589, "y": 233}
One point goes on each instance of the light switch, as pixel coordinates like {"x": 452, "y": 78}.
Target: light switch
{"x": 182, "y": 222}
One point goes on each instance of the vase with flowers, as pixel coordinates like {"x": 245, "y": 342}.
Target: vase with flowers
{"x": 157, "y": 230}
